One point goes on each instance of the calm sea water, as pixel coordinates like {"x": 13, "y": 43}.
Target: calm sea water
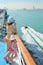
{"x": 32, "y": 18}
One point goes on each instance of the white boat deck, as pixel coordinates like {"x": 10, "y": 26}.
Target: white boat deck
{"x": 31, "y": 36}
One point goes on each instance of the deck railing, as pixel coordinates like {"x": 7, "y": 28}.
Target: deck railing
{"x": 26, "y": 55}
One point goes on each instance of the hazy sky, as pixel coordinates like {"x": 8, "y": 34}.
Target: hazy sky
{"x": 18, "y": 4}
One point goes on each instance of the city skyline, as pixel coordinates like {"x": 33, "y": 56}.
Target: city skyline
{"x": 20, "y": 4}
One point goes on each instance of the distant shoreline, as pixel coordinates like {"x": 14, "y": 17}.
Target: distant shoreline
{"x": 21, "y": 9}
{"x": 25, "y": 9}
